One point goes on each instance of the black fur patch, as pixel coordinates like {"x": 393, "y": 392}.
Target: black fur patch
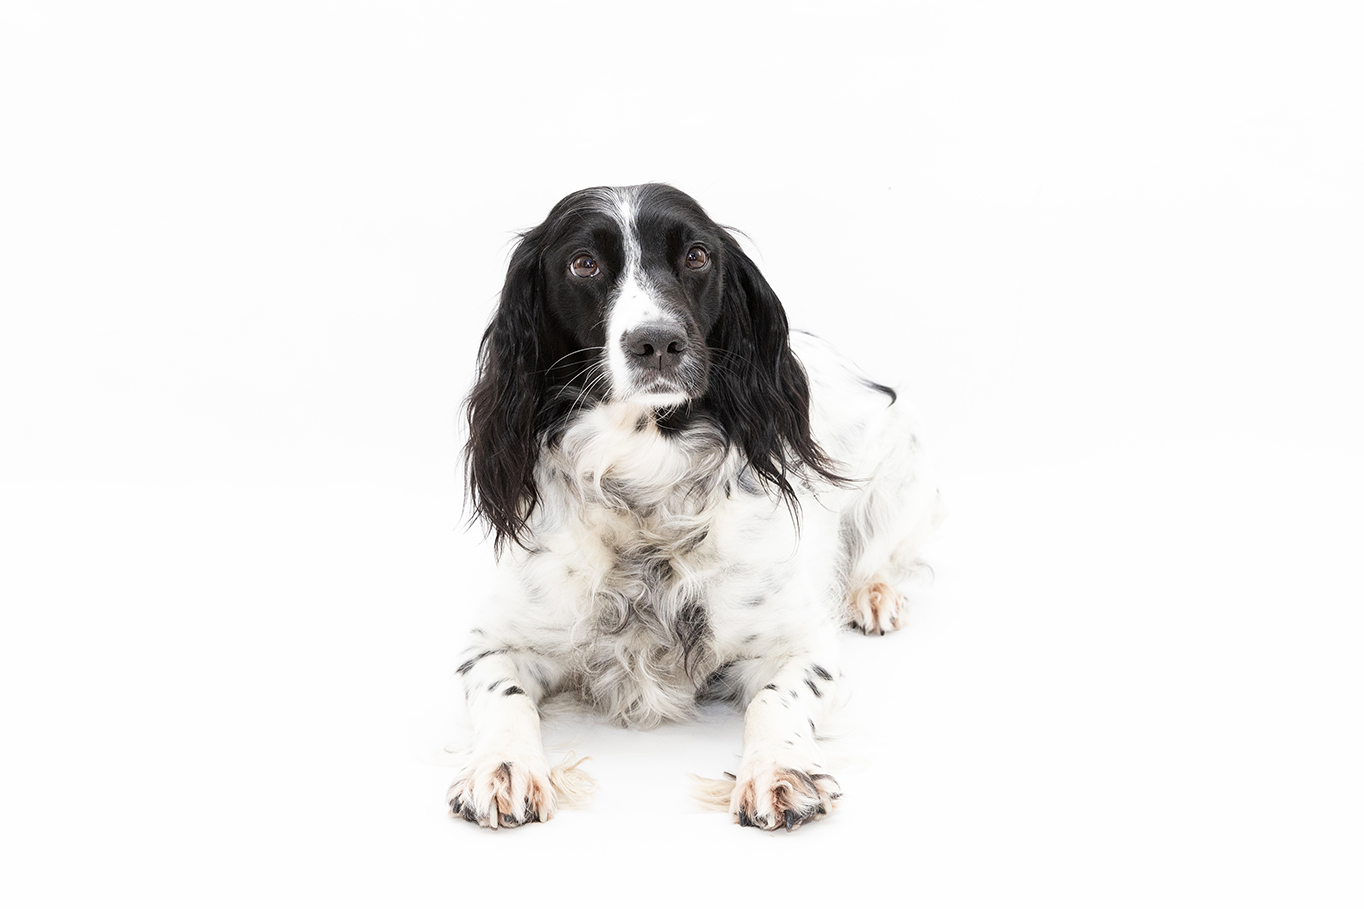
{"x": 884, "y": 389}
{"x": 540, "y": 358}
{"x": 691, "y": 628}
{"x": 469, "y": 664}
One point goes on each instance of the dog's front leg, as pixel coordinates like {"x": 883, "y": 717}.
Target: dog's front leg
{"x": 782, "y": 779}
{"x": 506, "y": 780}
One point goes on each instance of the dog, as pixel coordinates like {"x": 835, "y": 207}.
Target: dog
{"x": 687, "y": 500}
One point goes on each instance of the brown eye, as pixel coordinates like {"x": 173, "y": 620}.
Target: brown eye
{"x": 697, "y": 257}
{"x": 584, "y": 266}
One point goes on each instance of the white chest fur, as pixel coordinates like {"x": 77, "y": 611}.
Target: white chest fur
{"x": 659, "y": 560}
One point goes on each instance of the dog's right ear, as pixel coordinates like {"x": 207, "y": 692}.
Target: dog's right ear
{"x": 505, "y": 408}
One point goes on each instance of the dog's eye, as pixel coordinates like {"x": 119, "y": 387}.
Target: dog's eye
{"x": 584, "y": 266}
{"x": 697, "y": 257}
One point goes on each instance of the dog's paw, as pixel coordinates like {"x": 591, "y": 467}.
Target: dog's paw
{"x": 769, "y": 796}
{"x": 496, "y": 791}
{"x": 876, "y": 608}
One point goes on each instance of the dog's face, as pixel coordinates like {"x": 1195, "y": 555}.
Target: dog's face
{"x": 632, "y": 296}
{"x": 636, "y": 274}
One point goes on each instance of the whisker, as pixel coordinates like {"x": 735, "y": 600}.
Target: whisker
{"x": 573, "y": 353}
{"x": 591, "y": 384}
{"x": 584, "y": 371}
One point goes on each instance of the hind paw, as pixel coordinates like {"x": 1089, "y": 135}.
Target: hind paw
{"x": 876, "y": 608}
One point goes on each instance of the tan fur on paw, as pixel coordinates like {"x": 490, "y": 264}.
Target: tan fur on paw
{"x": 876, "y": 608}
{"x": 782, "y": 797}
{"x": 503, "y": 794}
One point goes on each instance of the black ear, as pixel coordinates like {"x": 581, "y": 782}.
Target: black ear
{"x": 758, "y": 390}
{"x": 505, "y": 408}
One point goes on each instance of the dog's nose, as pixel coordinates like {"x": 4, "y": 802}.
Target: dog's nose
{"x": 656, "y": 345}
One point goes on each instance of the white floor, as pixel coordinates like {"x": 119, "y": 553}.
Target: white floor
{"x": 1129, "y": 684}
{"x": 1112, "y": 256}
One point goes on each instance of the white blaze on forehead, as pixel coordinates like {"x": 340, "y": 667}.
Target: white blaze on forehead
{"x": 635, "y": 303}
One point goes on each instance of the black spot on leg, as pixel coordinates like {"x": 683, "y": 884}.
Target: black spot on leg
{"x": 795, "y": 693}
{"x": 823, "y": 673}
{"x": 770, "y": 687}
{"x": 493, "y": 686}
{"x": 814, "y": 688}
{"x": 812, "y": 728}
{"x": 469, "y": 664}
{"x": 512, "y": 690}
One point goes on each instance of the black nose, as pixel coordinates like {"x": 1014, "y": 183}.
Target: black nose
{"x": 656, "y": 345}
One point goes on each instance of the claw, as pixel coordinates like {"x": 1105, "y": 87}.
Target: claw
{"x": 790, "y": 819}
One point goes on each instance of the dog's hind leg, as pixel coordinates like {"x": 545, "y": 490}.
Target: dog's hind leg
{"x": 883, "y": 532}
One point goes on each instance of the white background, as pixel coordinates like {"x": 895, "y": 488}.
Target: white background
{"x": 1112, "y": 253}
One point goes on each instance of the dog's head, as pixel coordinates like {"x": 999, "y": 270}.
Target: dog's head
{"x": 632, "y": 294}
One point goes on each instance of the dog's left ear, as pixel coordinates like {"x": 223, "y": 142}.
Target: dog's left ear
{"x": 758, "y": 389}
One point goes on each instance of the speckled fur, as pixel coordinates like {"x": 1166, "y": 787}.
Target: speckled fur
{"x": 657, "y": 569}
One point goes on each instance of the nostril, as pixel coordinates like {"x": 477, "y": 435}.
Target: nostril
{"x": 660, "y": 343}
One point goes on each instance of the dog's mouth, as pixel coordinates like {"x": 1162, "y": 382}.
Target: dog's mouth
{"x": 658, "y": 389}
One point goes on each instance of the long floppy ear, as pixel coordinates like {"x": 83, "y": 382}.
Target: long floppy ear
{"x": 758, "y": 390}
{"x": 505, "y": 407}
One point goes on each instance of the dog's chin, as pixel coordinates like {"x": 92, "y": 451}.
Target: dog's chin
{"x": 656, "y": 398}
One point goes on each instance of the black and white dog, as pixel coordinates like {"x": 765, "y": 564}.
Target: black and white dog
{"x": 689, "y": 502}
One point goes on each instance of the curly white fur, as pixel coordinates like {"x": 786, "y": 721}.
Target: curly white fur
{"x": 660, "y": 570}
